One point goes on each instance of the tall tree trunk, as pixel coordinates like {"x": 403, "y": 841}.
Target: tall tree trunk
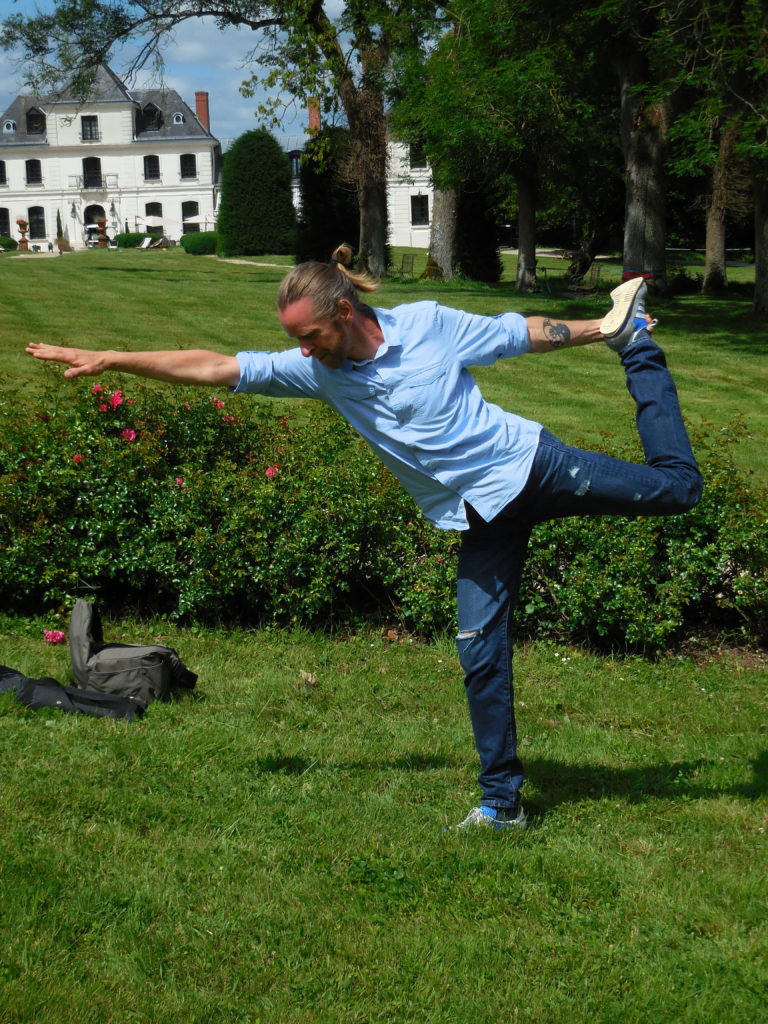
{"x": 441, "y": 262}
{"x": 715, "y": 272}
{"x": 760, "y": 300}
{"x": 368, "y": 137}
{"x": 526, "y": 233}
{"x": 644, "y": 129}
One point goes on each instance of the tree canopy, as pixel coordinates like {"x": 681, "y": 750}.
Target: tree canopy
{"x": 343, "y": 58}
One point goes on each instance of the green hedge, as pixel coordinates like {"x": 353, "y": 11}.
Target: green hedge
{"x": 133, "y": 239}
{"x": 209, "y": 508}
{"x": 200, "y": 243}
{"x": 8, "y": 243}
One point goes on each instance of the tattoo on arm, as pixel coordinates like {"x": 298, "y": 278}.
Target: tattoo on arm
{"x": 556, "y": 333}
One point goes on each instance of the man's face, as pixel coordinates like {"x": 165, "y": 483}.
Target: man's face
{"x": 329, "y": 341}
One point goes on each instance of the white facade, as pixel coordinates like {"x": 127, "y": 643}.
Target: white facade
{"x": 142, "y": 160}
{"x": 409, "y": 197}
{"x": 409, "y": 191}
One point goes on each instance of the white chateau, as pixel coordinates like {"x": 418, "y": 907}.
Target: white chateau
{"x": 142, "y": 160}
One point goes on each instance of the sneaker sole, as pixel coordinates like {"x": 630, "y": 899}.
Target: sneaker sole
{"x": 623, "y": 300}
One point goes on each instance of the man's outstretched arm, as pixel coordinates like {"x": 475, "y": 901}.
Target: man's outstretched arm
{"x": 180, "y": 366}
{"x": 548, "y": 335}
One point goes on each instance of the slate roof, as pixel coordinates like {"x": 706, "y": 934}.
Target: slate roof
{"x": 107, "y": 89}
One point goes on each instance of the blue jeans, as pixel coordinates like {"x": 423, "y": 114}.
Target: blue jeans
{"x": 564, "y": 481}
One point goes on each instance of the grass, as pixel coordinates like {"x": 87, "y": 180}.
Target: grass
{"x": 269, "y": 849}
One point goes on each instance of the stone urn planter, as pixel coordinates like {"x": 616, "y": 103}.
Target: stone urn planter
{"x": 23, "y": 228}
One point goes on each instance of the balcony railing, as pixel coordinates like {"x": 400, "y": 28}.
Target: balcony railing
{"x": 93, "y": 182}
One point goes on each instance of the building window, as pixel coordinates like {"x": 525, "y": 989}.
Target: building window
{"x": 178, "y": 119}
{"x": 89, "y": 128}
{"x": 34, "y": 172}
{"x": 35, "y": 122}
{"x": 188, "y": 165}
{"x": 3, "y": 177}
{"x": 36, "y": 222}
{"x": 151, "y": 168}
{"x": 92, "y": 172}
{"x": 416, "y": 155}
{"x": 420, "y": 211}
{"x": 154, "y": 216}
{"x": 153, "y": 118}
{"x": 5, "y": 222}
{"x": 188, "y": 211}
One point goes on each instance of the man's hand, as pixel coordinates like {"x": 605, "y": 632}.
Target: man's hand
{"x": 178, "y": 366}
{"x": 80, "y": 362}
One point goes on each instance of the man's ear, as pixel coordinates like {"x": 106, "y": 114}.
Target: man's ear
{"x": 345, "y": 310}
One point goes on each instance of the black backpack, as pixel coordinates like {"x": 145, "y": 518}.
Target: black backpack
{"x": 148, "y": 672}
{"x": 48, "y": 693}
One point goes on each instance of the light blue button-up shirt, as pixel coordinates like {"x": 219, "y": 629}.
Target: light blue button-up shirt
{"x": 419, "y": 408}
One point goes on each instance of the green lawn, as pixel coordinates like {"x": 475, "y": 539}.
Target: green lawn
{"x": 270, "y": 850}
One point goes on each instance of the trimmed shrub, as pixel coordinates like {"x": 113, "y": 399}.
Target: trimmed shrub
{"x": 329, "y": 209}
{"x": 200, "y": 243}
{"x": 256, "y": 214}
{"x": 133, "y": 239}
{"x": 208, "y": 509}
{"x": 8, "y": 243}
{"x": 476, "y": 236}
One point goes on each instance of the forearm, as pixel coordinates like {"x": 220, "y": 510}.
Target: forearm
{"x": 179, "y": 366}
{"x": 546, "y": 334}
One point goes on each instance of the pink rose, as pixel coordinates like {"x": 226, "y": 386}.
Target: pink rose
{"x": 54, "y": 636}
{"x": 128, "y": 434}
{"x": 116, "y": 399}
{"x": 272, "y": 471}
{"x": 179, "y": 480}
{"x": 78, "y": 459}
{"x": 103, "y": 408}
{"x": 96, "y": 389}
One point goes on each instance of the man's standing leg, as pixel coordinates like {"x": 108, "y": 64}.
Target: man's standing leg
{"x": 491, "y": 562}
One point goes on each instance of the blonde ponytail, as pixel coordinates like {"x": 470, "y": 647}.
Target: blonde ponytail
{"x": 326, "y": 284}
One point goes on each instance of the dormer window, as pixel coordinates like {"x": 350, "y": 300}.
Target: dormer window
{"x": 153, "y": 118}
{"x": 9, "y": 126}
{"x": 35, "y": 122}
{"x": 178, "y": 118}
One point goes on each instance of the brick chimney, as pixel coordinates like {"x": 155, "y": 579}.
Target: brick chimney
{"x": 201, "y": 109}
{"x": 314, "y": 115}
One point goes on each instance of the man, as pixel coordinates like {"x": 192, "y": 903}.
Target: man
{"x": 400, "y": 378}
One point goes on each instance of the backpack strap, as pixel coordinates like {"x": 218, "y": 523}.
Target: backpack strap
{"x": 80, "y": 643}
{"x": 48, "y": 693}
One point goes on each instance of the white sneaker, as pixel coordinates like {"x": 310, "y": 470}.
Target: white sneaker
{"x": 627, "y": 316}
{"x": 493, "y": 817}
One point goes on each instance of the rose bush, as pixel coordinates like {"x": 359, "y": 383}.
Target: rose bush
{"x": 212, "y": 508}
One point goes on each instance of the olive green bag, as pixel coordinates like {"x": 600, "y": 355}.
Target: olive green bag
{"x": 148, "y": 672}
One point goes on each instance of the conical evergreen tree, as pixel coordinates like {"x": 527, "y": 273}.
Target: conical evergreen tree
{"x": 256, "y": 215}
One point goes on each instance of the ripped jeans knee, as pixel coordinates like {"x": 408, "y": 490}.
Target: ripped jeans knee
{"x": 466, "y": 640}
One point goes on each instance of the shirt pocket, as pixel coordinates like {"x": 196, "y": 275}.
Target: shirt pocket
{"x": 421, "y": 397}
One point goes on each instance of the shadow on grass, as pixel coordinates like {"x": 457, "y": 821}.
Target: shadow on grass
{"x": 560, "y": 783}
{"x": 417, "y": 762}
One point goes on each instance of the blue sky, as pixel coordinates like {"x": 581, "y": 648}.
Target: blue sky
{"x": 201, "y": 58}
